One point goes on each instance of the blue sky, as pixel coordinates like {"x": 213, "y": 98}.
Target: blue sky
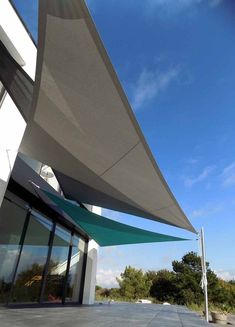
{"x": 176, "y": 62}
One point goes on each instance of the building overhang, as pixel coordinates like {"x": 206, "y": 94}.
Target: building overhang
{"x": 4, "y": 38}
{"x": 23, "y": 178}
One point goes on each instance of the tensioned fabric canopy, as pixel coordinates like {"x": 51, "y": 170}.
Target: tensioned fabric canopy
{"x": 104, "y": 231}
{"x": 81, "y": 123}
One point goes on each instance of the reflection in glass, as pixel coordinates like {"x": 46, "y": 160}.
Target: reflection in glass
{"x": 75, "y": 270}
{"x": 32, "y": 261}
{"x": 43, "y": 272}
{"x": 55, "y": 279}
{"x": 12, "y": 218}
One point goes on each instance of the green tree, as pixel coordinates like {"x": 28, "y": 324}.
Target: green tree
{"x": 188, "y": 278}
{"x": 98, "y": 288}
{"x": 224, "y": 294}
{"x": 182, "y": 285}
{"x": 115, "y": 293}
{"x": 134, "y": 283}
{"x": 188, "y": 274}
{"x": 164, "y": 286}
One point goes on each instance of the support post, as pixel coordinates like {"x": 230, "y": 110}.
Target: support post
{"x": 204, "y": 273}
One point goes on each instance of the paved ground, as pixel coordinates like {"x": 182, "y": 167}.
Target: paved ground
{"x": 231, "y": 320}
{"x": 107, "y": 315}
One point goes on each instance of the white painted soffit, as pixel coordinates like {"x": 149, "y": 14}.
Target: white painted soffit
{"x": 82, "y": 124}
{"x": 10, "y": 47}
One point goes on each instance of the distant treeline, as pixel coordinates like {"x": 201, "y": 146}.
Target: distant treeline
{"x": 180, "y": 286}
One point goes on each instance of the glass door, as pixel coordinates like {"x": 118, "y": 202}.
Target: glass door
{"x": 74, "y": 279}
{"x": 28, "y": 279}
{"x": 56, "y": 271}
{"x": 40, "y": 260}
{"x": 12, "y": 222}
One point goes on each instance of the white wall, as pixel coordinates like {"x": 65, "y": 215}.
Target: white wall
{"x": 90, "y": 276}
{"x": 12, "y": 125}
{"x": 91, "y": 268}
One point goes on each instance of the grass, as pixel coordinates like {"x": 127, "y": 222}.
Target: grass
{"x": 212, "y": 307}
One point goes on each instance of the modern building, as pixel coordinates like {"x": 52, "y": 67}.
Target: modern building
{"x": 67, "y": 132}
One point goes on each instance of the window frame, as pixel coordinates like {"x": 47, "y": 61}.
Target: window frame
{"x": 30, "y": 210}
{"x": 2, "y": 94}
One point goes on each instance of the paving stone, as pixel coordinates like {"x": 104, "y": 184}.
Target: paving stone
{"x": 105, "y": 315}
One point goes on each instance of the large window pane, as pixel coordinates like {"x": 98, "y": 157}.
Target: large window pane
{"x": 12, "y": 218}
{"x": 75, "y": 270}
{"x": 28, "y": 280}
{"x": 55, "y": 279}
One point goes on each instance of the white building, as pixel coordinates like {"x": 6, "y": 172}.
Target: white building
{"x": 65, "y": 125}
{"x": 21, "y": 47}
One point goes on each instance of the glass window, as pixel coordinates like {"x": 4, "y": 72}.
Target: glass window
{"x": 75, "y": 270}
{"x": 47, "y": 266}
{"x": 55, "y": 280}
{"x": 33, "y": 258}
{"x": 12, "y": 219}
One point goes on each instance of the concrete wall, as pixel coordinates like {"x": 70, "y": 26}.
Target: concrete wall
{"x": 91, "y": 268}
{"x": 90, "y": 277}
{"x": 12, "y": 125}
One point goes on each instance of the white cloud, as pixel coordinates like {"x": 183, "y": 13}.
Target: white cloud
{"x": 190, "y": 181}
{"x": 107, "y": 277}
{"x": 192, "y": 161}
{"x": 197, "y": 213}
{"x": 230, "y": 168}
{"x": 174, "y": 3}
{"x": 228, "y": 175}
{"x": 150, "y": 83}
{"x": 225, "y": 275}
{"x": 172, "y": 7}
{"x": 7, "y": 259}
{"x": 208, "y": 210}
{"x": 214, "y": 3}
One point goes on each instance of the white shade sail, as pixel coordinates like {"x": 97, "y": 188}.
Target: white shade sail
{"x": 82, "y": 125}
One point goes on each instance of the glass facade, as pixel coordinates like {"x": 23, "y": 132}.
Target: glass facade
{"x": 32, "y": 260}
{"x": 75, "y": 269}
{"x": 12, "y": 221}
{"x": 56, "y": 275}
{"x": 41, "y": 261}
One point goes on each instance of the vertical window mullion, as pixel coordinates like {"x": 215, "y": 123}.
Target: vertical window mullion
{"x": 21, "y": 243}
{"x": 45, "y": 271}
{"x": 84, "y": 265}
{"x": 67, "y": 268}
{"x": 2, "y": 94}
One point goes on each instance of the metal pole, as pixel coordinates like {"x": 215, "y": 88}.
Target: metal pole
{"x": 204, "y": 272}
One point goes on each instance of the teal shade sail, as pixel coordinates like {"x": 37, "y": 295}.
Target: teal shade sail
{"x": 104, "y": 231}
